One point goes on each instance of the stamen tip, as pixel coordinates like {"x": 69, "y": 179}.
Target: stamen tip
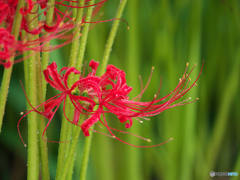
{"x": 21, "y": 113}
{"x": 114, "y": 137}
{"x": 25, "y": 145}
{"x": 155, "y": 95}
{"x": 128, "y": 27}
{"x": 170, "y": 139}
{"x": 141, "y": 121}
{"x": 197, "y": 98}
{"x": 148, "y": 140}
{"x": 195, "y": 84}
{"x": 187, "y": 64}
{"x": 153, "y": 68}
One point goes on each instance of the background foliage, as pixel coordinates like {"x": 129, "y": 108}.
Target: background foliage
{"x": 164, "y": 34}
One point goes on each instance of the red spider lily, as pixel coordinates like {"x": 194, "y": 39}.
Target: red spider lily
{"x": 108, "y": 91}
{"x": 7, "y": 47}
{"x": 10, "y": 47}
{"x": 117, "y": 102}
{"x": 7, "y": 11}
{"x": 59, "y": 82}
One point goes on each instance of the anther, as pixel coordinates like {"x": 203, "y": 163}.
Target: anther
{"x": 187, "y": 64}
{"x": 21, "y": 113}
{"x": 61, "y": 23}
{"x": 128, "y": 27}
{"x": 114, "y": 137}
{"x": 148, "y": 140}
{"x": 195, "y": 84}
{"x": 197, "y": 98}
{"x": 153, "y": 68}
{"x": 189, "y": 79}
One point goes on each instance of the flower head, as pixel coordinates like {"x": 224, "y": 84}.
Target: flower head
{"x": 109, "y": 91}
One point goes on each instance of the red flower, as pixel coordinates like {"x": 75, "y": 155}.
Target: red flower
{"x": 116, "y": 100}
{"x": 59, "y": 82}
{"x": 7, "y": 11}
{"x": 109, "y": 91}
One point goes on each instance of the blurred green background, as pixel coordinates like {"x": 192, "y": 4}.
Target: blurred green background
{"x": 164, "y": 34}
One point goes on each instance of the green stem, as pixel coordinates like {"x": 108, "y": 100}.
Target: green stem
{"x": 73, "y": 56}
{"x": 84, "y": 37}
{"x": 33, "y": 154}
{"x": 133, "y": 155}
{"x": 80, "y": 60}
{"x": 107, "y": 51}
{"x": 72, "y": 149}
{"x": 41, "y": 126}
{"x": 25, "y": 64}
{"x": 7, "y": 72}
{"x": 46, "y": 54}
{"x": 41, "y": 121}
{"x": 86, "y": 152}
{"x": 41, "y": 86}
{"x": 65, "y": 130}
{"x": 111, "y": 37}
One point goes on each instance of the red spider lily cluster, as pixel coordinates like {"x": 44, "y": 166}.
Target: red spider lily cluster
{"x": 63, "y": 23}
{"x": 95, "y": 96}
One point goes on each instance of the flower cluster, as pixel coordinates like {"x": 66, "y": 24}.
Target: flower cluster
{"x": 63, "y": 24}
{"x": 95, "y": 96}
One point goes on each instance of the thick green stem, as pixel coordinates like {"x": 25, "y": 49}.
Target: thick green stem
{"x": 25, "y": 65}
{"x": 41, "y": 124}
{"x": 41, "y": 121}
{"x": 65, "y": 130}
{"x": 79, "y": 62}
{"x": 73, "y": 57}
{"x": 86, "y": 152}
{"x": 33, "y": 154}
{"x": 46, "y": 54}
{"x": 72, "y": 149}
{"x": 111, "y": 37}
{"x": 84, "y": 37}
{"x": 106, "y": 54}
{"x": 7, "y": 72}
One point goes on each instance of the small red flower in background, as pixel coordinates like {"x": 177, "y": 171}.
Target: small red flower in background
{"x": 7, "y": 12}
{"x": 109, "y": 91}
{"x": 62, "y": 27}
